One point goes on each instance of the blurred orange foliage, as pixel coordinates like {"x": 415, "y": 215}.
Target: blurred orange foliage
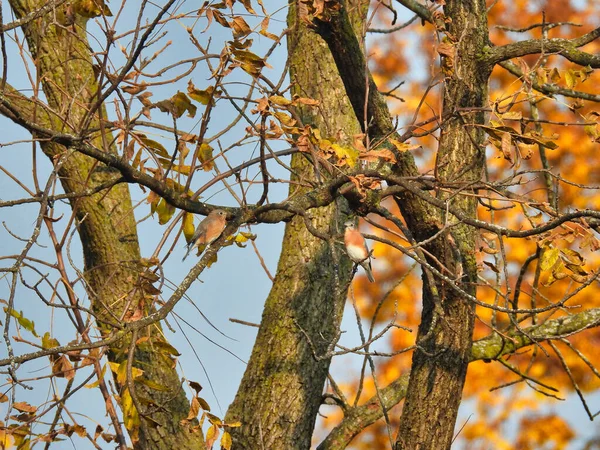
{"x": 516, "y": 416}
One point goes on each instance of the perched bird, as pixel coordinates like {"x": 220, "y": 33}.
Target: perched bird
{"x": 357, "y": 249}
{"x": 209, "y": 229}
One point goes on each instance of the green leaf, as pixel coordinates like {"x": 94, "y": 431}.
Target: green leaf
{"x": 25, "y": 323}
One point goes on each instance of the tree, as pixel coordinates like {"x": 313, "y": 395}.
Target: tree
{"x": 349, "y": 158}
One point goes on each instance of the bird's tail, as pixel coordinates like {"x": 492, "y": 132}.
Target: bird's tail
{"x": 367, "y": 266}
{"x": 189, "y": 249}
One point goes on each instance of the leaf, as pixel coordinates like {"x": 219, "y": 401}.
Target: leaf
{"x": 131, "y": 417}
{"x": 226, "y": 441}
{"x": 165, "y": 211}
{"x": 203, "y": 404}
{"x": 284, "y": 118}
{"x": 346, "y": 155}
{"x": 264, "y": 25}
{"x": 572, "y": 257}
{"x": 151, "y": 144}
{"x": 248, "y": 61}
{"x": 195, "y": 386}
{"x": 212, "y": 434}
{"x": 525, "y": 150}
{"x": 279, "y": 100}
{"x": 248, "y": 6}
{"x": 182, "y": 103}
{"x": 166, "y": 348}
{"x": 512, "y": 115}
{"x": 49, "y": 342}
{"x": 506, "y": 146}
{"x": 377, "y": 155}
{"x": 402, "y": 146}
{"x": 204, "y": 153}
{"x": 177, "y": 105}
{"x": 570, "y": 78}
{"x": 214, "y": 419}
{"x": 549, "y": 258}
{"x": 24, "y": 407}
{"x": 240, "y": 27}
{"x": 194, "y": 409}
{"x": 201, "y": 96}
{"x": 25, "y": 323}
{"x": 188, "y": 226}
{"x": 62, "y": 368}
{"x": 491, "y": 266}
{"x": 96, "y": 383}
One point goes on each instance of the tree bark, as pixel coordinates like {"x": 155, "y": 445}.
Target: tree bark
{"x": 280, "y": 394}
{"x": 106, "y": 222}
{"x": 445, "y": 334}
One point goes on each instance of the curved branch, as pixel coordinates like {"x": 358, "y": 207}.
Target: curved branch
{"x": 568, "y": 48}
{"x": 489, "y": 348}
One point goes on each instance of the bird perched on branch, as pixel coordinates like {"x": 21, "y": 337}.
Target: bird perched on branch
{"x": 357, "y": 249}
{"x": 208, "y": 230}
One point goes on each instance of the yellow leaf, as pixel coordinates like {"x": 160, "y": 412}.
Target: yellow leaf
{"x": 165, "y": 211}
{"x": 96, "y": 383}
{"x": 24, "y": 407}
{"x": 49, "y": 342}
{"x": 188, "y": 226}
{"x": 549, "y": 258}
{"x": 279, "y": 100}
{"x": 131, "y": 417}
{"x": 402, "y": 146}
{"x": 204, "y": 153}
{"x": 201, "y": 96}
{"x": 226, "y": 441}
{"x": 570, "y": 78}
{"x": 512, "y": 115}
{"x": 6, "y": 440}
{"x": 211, "y": 436}
{"x": 349, "y": 155}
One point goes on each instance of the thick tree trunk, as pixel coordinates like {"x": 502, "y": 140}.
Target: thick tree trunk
{"x": 106, "y": 222}
{"x": 281, "y": 390}
{"x": 440, "y": 363}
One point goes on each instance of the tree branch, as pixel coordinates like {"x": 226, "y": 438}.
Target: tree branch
{"x": 568, "y": 48}
{"x": 489, "y": 348}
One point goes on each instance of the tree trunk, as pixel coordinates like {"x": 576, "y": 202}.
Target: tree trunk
{"x": 281, "y": 391}
{"x": 106, "y": 222}
{"x": 440, "y": 363}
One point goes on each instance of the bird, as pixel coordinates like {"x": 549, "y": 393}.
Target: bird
{"x": 357, "y": 249}
{"x": 208, "y": 230}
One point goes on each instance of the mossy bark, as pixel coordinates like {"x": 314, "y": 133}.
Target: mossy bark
{"x": 445, "y": 334}
{"x": 281, "y": 390}
{"x": 106, "y": 222}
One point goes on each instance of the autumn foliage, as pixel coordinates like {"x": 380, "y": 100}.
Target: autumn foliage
{"x": 482, "y": 211}
{"x": 550, "y": 164}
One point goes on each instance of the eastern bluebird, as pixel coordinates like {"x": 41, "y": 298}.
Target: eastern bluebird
{"x": 357, "y": 249}
{"x": 209, "y": 229}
